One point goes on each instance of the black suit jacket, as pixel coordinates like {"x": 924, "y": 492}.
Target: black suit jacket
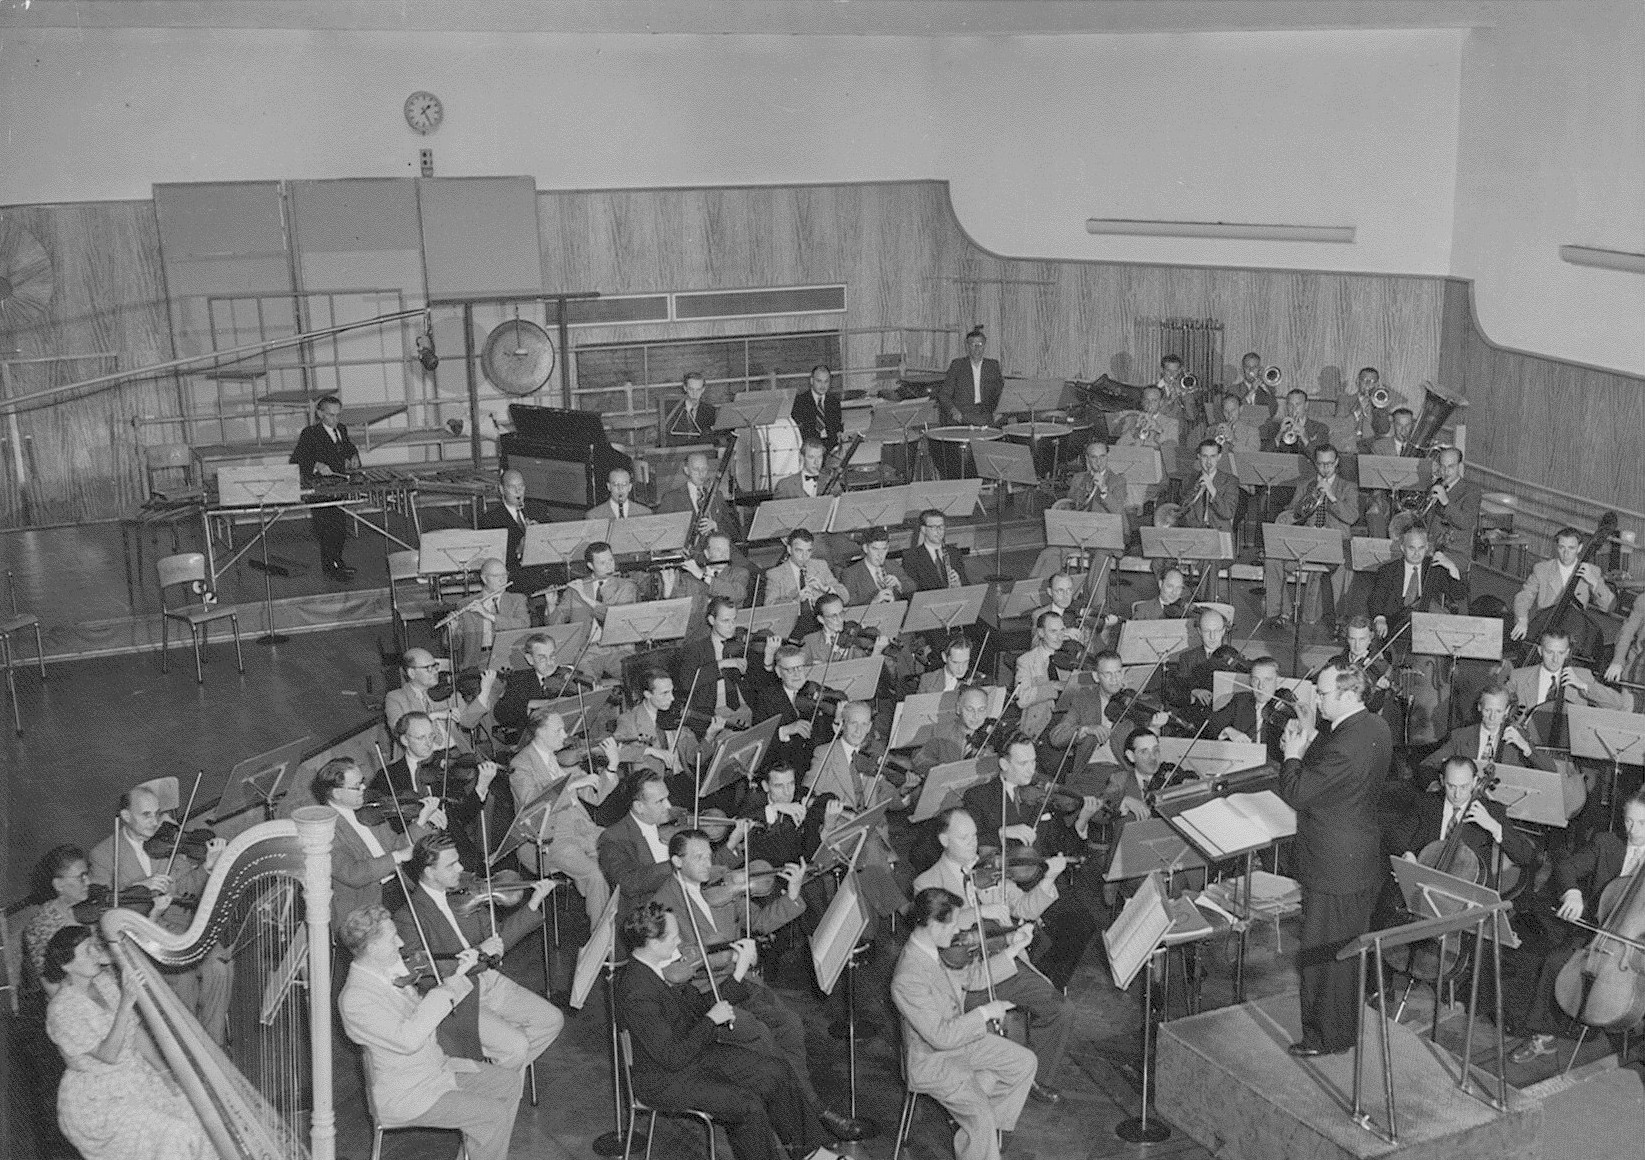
{"x": 697, "y": 656}
{"x": 984, "y": 801}
{"x": 1422, "y": 825}
{"x": 523, "y": 688}
{"x": 1334, "y": 790}
{"x": 824, "y": 428}
{"x": 767, "y": 699}
{"x": 495, "y": 517}
{"x": 669, "y": 1026}
{"x": 459, "y": 1033}
{"x": 1591, "y": 869}
{"x": 955, "y": 395}
{"x": 1240, "y": 712}
{"x": 923, "y": 572}
{"x": 1388, "y": 592}
{"x": 626, "y": 862}
{"x": 314, "y": 445}
{"x": 686, "y": 427}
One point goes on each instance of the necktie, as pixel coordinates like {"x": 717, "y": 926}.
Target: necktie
{"x": 599, "y": 591}
{"x": 1413, "y": 587}
{"x": 1450, "y": 821}
{"x": 622, "y": 511}
{"x": 803, "y": 578}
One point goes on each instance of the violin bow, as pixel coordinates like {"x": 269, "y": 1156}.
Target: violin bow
{"x": 822, "y": 687}
{"x": 982, "y": 934}
{"x": 1182, "y": 762}
{"x": 988, "y": 740}
{"x": 971, "y": 677}
{"x": 485, "y": 856}
{"x": 697, "y": 933}
{"x": 178, "y": 844}
{"x": 685, "y": 709}
{"x": 812, "y": 791}
{"x": 399, "y": 872}
{"x": 1099, "y": 585}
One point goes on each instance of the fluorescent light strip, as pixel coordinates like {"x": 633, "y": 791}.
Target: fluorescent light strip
{"x": 1239, "y": 231}
{"x": 1604, "y": 259}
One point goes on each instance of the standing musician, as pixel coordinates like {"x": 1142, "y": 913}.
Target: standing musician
{"x": 713, "y": 679}
{"x": 822, "y": 647}
{"x": 323, "y": 449}
{"x": 956, "y": 668}
{"x": 1250, "y": 386}
{"x": 1628, "y": 661}
{"x": 1087, "y": 716}
{"x": 1332, "y": 779}
{"x": 931, "y": 563}
{"x": 979, "y": 1077}
{"x": 539, "y": 682}
{"x": 1327, "y": 501}
{"x": 1485, "y": 827}
{"x": 1095, "y": 489}
{"x": 1379, "y": 501}
{"x": 971, "y": 389}
{"x": 1151, "y": 426}
{"x": 698, "y": 495}
{"x": 717, "y": 574}
{"x": 1544, "y": 586}
{"x": 816, "y": 412}
{"x": 120, "y": 860}
{"x": 875, "y": 579}
{"x": 801, "y": 575}
{"x": 1249, "y": 715}
{"x": 1417, "y": 582}
{"x": 776, "y": 695}
{"x": 1214, "y": 498}
{"x": 959, "y": 736}
{"x": 498, "y": 610}
{"x": 516, "y": 1026}
{"x": 413, "y": 1081}
{"x": 419, "y": 673}
{"x": 1293, "y": 430}
{"x": 509, "y": 516}
{"x": 1014, "y": 977}
{"x": 1002, "y": 810}
{"x": 680, "y": 1059}
{"x": 1493, "y": 739}
{"x": 1039, "y": 680}
{"x": 587, "y": 600}
{"x": 633, "y": 854}
{"x": 363, "y": 857}
{"x": 620, "y": 506}
{"x": 1578, "y": 881}
{"x": 1170, "y": 603}
{"x": 570, "y": 829}
{"x": 422, "y": 770}
{"x": 691, "y": 420}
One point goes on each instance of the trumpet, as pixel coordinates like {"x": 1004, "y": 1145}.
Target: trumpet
{"x": 1381, "y": 397}
{"x": 1289, "y": 433}
{"x": 1273, "y": 376}
{"x": 1225, "y": 434}
{"x": 1190, "y": 382}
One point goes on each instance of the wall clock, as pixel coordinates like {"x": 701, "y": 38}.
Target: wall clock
{"x": 424, "y": 112}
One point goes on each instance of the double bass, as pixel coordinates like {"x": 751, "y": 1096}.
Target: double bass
{"x": 1565, "y": 614}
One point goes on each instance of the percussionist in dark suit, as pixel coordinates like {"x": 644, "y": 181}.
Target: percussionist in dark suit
{"x": 324, "y": 449}
{"x": 690, "y": 420}
{"x": 817, "y": 412}
{"x": 1332, "y": 778}
{"x": 972, "y": 388}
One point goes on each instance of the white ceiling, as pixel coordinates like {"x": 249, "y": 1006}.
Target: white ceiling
{"x": 760, "y": 17}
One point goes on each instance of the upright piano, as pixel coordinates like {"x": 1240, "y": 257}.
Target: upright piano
{"x": 564, "y": 455}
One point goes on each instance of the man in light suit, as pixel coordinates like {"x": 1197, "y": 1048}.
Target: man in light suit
{"x": 1151, "y": 426}
{"x": 499, "y": 611}
{"x": 1544, "y": 586}
{"x": 822, "y": 647}
{"x": 1170, "y": 603}
{"x": 801, "y": 575}
{"x": 816, "y": 412}
{"x": 419, "y": 673}
{"x": 363, "y": 857}
{"x": 573, "y": 835}
{"x": 642, "y": 740}
{"x": 960, "y": 735}
{"x": 971, "y": 389}
{"x": 1038, "y": 682}
{"x": 414, "y": 1082}
{"x": 956, "y": 668}
{"x": 1333, "y": 780}
{"x": 516, "y": 1026}
{"x": 620, "y": 484}
{"x": 980, "y": 1078}
{"x": 1540, "y": 684}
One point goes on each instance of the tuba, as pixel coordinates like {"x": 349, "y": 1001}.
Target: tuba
{"x": 1437, "y": 408}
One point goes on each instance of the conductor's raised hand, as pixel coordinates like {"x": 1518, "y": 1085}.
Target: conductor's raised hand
{"x": 1295, "y": 742}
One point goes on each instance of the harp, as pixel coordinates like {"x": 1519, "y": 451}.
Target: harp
{"x": 268, "y": 901}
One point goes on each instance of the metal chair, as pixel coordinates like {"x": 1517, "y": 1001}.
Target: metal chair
{"x": 416, "y": 604}
{"x": 378, "y": 1127}
{"x": 637, "y": 1106}
{"x": 189, "y": 568}
{"x": 910, "y": 1099}
{"x": 9, "y": 627}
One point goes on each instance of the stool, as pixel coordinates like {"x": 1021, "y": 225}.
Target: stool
{"x": 9, "y": 627}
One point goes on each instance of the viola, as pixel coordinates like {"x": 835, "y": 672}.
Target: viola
{"x": 192, "y": 846}
{"x": 712, "y": 821}
{"x": 102, "y": 899}
{"x": 721, "y": 961}
{"x": 376, "y": 811}
{"x": 1226, "y": 658}
{"x": 1604, "y": 985}
{"x": 745, "y": 644}
{"x": 854, "y": 636}
{"x": 1140, "y": 710}
{"x": 968, "y": 947}
{"x": 1064, "y": 802}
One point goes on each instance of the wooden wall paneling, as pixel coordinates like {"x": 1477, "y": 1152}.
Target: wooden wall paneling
{"x": 109, "y": 295}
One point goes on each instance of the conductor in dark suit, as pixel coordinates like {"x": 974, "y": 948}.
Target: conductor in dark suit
{"x": 816, "y": 411}
{"x": 1332, "y": 779}
{"x": 324, "y": 449}
{"x": 972, "y": 387}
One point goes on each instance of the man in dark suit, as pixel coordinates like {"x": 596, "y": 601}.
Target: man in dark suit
{"x": 972, "y": 387}
{"x": 773, "y": 695}
{"x": 681, "y": 1059}
{"x": 1492, "y": 739}
{"x": 931, "y": 563}
{"x": 1293, "y": 424}
{"x": 875, "y": 579}
{"x": 422, "y": 770}
{"x": 1456, "y": 509}
{"x": 817, "y": 412}
{"x": 323, "y": 449}
{"x": 633, "y": 856}
{"x": 1249, "y": 386}
{"x": 691, "y": 420}
{"x": 718, "y": 573}
{"x": 1332, "y": 779}
{"x": 711, "y": 680}
{"x": 715, "y": 512}
{"x": 510, "y": 516}
{"x": 1484, "y": 823}
{"x": 1248, "y": 714}
{"x": 1417, "y": 582}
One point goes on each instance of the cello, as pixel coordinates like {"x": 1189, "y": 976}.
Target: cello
{"x": 1451, "y": 856}
{"x": 1604, "y": 985}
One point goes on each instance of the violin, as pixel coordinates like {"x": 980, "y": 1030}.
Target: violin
{"x": 746, "y": 644}
{"x": 102, "y": 899}
{"x": 1024, "y": 866}
{"x": 1064, "y": 802}
{"x": 814, "y": 700}
{"x": 474, "y": 893}
{"x": 721, "y": 961}
{"x": 1604, "y": 985}
{"x": 1140, "y": 710}
{"x": 1228, "y": 659}
{"x": 379, "y": 810}
{"x": 968, "y": 946}
{"x": 681, "y": 715}
{"x": 192, "y": 844}
{"x": 713, "y": 821}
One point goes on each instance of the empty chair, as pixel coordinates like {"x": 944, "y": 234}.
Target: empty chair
{"x": 188, "y": 570}
{"x": 9, "y": 628}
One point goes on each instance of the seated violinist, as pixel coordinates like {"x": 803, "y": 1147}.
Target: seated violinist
{"x": 1012, "y": 975}
{"x": 1171, "y": 601}
{"x": 66, "y": 870}
{"x": 644, "y": 740}
{"x": 1133, "y": 778}
{"x": 1548, "y": 579}
{"x": 825, "y": 646}
{"x": 1254, "y": 715}
{"x": 452, "y": 716}
{"x": 544, "y": 680}
{"x": 851, "y": 775}
{"x": 516, "y": 1026}
{"x": 786, "y": 831}
{"x": 366, "y": 854}
{"x": 569, "y": 833}
{"x": 1494, "y": 739}
{"x": 1082, "y": 628}
{"x": 1188, "y": 676}
{"x": 1003, "y": 810}
{"x": 1417, "y": 582}
{"x": 1576, "y": 889}
{"x": 778, "y": 694}
{"x": 956, "y": 668}
{"x": 961, "y": 735}
{"x": 1039, "y": 680}
{"x": 1100, "y": 715}
{"x": 633, "y": 852}
{"x": 1484, "y": 823}
{"x": 713, "y": 671}
{"x": 496, "y": 610}
{"x": 127, "y": 858}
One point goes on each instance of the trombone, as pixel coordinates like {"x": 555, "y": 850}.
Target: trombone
{"x": 1273, "y": 376}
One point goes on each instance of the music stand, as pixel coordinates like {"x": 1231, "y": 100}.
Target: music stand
{"x": 1369, "y": 553}
{"x": 857, "y": 679}
{"x": 1010, "y": 602}
{"x": 1132, "y": 941}
{"x": 834, "y": 948}
{"x": 754, "y": 409}
{"x": 599, "y": 956}
{"x": 778, "y": 619}
{"x": 880, "y": 507}
{"x": 1212, "y": 758}
{"x": 944, "y": 609}
{"x": 884, "y": 617}
{"x": 1440, "y": 634}
{"x": 913, "y": 719}
{"x": 904, "y": 421}
{"x": 561, "y": 543}
{"x": 649, "y": 535}
{"x": 276, "y": 485}
{"x": 775, "y": 518}
{"x": 1395, "y": 473}
{"x": 1531, "y": 795}
{"x": 1267, "y": 470}
{"x": 1147, "y": 642}
{"x": 446, "y": 551}
{"x": 260, "y": 780}
{"x": 1148, "y": 845}
{"x": 1005, "y": 463}
{"x": 952, "y": 497}
{"x": 508, "y": 646}
{"x": 1301, "y": 545}
{"x": 1204, "y": 546}
{"x": 1607, "y": 735}
{"x": 1087, "y": 531}
{"x": 851, "y": 833}
{"x": 740, "y": 755}
{"x": 647, "y": 622}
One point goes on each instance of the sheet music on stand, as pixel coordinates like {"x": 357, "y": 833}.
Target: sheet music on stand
{"x": 1212, "y": 758}
{"x": 918, "y": 713}
{"x": 778, "y": 619}
{"x": 261, "y": 779}
{"x": 1267, "y": 468}
{"x": 1221, "y": 828}
{"x": 1225, "y": 684}
{"x": 1530, "y": 794}
{"x": 508, "y": 646}
{"x": 649, "y": 621}
{"x": 1395, "y": 472}
{"x": 649, "y": 535}
{"x": 944, "y": 609}
{"x": 838, "y": 932}
{"x": 1609, "y": 735}
{"x": 1146, "y": 642}
{"x": 775, "y": 518}
{"x": 944, "y": 787}
{"x": 858, "y": 679}
{"x": 1034, "y": 396}
{"x": 1197, "y": 544}
{"x": 740, "y": 755}
{"x": 1141, "y": 466}
{"x": 958, "y": 498}
{"x": 1147, "y": 845}
{"x": 600, "y": 947}
{"x": 1133, "y": 937}
{"x": 1369, "y": 553}
{"x": 1431, "y": 893}
{"x": 885, "y": 617}
{"x": 1084, "y": 530}
{"x": 754, "y": 409}
{"x": 882, "y": 507}
{"x": 260, "y": 485}
{"x": 1441, "y": 634}
{"x": 445, "y": 551}
{"x": 561, "y": 543}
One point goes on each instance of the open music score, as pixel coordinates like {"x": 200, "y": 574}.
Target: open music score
{"x": 1226, "y": 827}
{"x": 945, "y": 786}
{"x": 1441, "y": 634}
{"x": 1147, "y": 845}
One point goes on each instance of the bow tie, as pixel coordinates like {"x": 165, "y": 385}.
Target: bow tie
{"x": 810, "y": 478}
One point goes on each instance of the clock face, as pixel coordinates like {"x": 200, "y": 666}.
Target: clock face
{"x": 424, "y": 112}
